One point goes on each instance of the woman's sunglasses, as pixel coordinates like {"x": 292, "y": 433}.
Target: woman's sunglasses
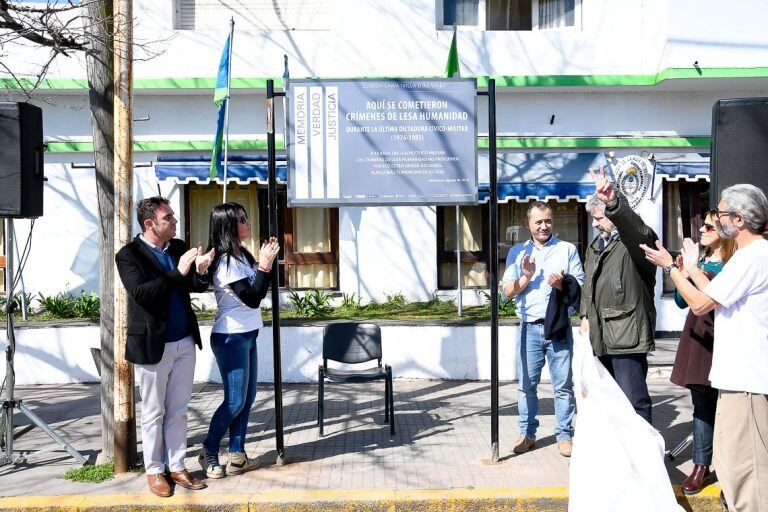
{"x": 243, "y": 219}
{"x": 708, "y": 227}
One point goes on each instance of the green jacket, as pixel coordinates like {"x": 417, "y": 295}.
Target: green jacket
{"x": 618, "y": 287}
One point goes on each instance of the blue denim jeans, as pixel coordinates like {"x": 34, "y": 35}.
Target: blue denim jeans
{"x": 236, "y": 357}
{"x": 704, "y": 409}
{"x": 533, "y": 350}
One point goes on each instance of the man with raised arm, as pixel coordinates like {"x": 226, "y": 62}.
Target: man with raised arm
{"x": 617, "y": 306}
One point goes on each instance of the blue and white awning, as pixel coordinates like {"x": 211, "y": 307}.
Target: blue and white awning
{"x": 525, "y": 177}
{"x": 686, "y": 166}
{"x": 241, "y": 170}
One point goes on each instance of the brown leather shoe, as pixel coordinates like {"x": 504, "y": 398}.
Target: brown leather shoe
{"x": 185, "y": 479}
{"x": 158, "y": 485}
{"x": 523, "y": 444}
{"x": 696, "y": 480}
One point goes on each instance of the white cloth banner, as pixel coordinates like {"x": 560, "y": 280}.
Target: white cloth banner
{"x": 618, "y": 458}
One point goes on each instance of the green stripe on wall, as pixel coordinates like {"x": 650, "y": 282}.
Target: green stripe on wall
{"x": 482, "y": 81}
{"x": 482, "y": 143}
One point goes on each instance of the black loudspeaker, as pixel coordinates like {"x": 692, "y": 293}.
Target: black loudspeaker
{"x": 21, "y": 160}
{"x": 739, "y": 145}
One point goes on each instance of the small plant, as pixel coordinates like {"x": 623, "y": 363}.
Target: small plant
{"x": 61, "y": 305}
{"x": 394, "y": 301}
{"x": 314, "y": 303}
{"x": 87, "y": 305}
{"x": 319, "y": 303}
{"x": 299, "y": 304}
{"x": 15, "y": 300}
{"x": 506, "y": 306}
{"x": 352, "y": 303}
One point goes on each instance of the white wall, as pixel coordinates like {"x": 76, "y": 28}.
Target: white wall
{"x": 62, "y": 355}
{"x": 400, "y": 38}
{"x": 385, "y": 250}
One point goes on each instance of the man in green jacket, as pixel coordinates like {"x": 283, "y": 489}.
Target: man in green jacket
{"x": 617, "y": 307}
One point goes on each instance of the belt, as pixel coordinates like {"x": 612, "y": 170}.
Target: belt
{"x": 539, "y": 321}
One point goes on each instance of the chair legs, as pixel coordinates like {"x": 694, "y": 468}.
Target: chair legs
{"x": 320, "y": 392}
{"x": 389, "y": 404}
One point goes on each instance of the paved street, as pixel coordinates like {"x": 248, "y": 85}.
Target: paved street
{"x": 442, "y": 440}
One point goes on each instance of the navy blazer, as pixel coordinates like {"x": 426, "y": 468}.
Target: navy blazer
{"x": 149, "y": 285}
{"x": 557, "y": 321}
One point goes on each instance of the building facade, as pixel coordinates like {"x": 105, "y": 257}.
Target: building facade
{"x": 578, "y": 81}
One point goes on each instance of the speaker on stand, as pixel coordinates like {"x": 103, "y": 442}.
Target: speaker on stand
{"x": 21, "y": 196}
{"x": 739, "y": 145}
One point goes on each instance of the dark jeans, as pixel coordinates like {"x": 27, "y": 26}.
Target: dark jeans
{"x": 236, "y": 357}
{"x": 629, "y": 371}
{"x": 704, "y": 407}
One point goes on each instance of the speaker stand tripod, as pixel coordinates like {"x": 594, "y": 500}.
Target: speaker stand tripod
{"x": 11, "y": 402}
{"x": 677, "y": 450}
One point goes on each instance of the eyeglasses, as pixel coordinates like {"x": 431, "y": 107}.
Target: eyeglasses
{"x": 708, "y": 227}
{"x": 243, "y": 219}
{"x": 720, "y": 213}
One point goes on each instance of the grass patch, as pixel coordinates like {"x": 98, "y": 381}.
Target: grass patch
{"x": 91, "y": 474}
{"x": 96, "y": 474}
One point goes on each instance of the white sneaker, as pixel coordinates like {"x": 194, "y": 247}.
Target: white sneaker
{"x": 209, "y": 462}
{"x": 240, "y": 463}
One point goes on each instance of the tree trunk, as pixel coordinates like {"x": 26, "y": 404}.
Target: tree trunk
{"x": 100, "y": 66}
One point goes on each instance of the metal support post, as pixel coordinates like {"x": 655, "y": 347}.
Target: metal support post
{"x": 273, "y": 231}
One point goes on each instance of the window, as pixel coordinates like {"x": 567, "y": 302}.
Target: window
{"x": 570, "y": 221}
{"x": 309, "y": 236}
{"x": 684, "y": 203}
{"x": 312, "y": 247}
{"x": 517, "y": 15}
{"x": 254, "y": 14}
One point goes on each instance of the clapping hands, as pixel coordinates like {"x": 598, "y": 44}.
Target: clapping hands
{"x": 556, "y": 280}
{"x": 529, "y": 266}
{"x": 267, "y": 254}
{"x": 203, "y": 261}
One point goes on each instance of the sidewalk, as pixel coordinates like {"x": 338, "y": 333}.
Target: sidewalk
{"x": 442, "y": 440}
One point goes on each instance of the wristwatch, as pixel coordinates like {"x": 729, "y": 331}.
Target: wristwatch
{"x": 668, "y": 269}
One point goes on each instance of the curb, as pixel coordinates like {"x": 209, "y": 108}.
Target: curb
{"x": 528, "y": 499}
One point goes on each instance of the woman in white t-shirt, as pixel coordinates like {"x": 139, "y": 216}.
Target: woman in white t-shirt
{"x": 239, "y": 284}
{"x": 739, "y": 297}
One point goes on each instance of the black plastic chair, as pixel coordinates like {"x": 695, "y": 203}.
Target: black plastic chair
{"x": 353, "y": 343}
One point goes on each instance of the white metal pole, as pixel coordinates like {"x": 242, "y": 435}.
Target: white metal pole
{"x": 226, "y": 107}
{"x": 458, "y": 258}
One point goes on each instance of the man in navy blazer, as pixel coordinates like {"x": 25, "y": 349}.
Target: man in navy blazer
{"x": 159, "y": 272}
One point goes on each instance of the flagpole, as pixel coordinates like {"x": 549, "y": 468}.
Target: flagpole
{"x": 453, "y": 62}
{"x": 226, "y": 107}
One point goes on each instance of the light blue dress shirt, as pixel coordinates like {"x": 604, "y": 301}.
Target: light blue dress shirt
{"x": 552, "y": 257}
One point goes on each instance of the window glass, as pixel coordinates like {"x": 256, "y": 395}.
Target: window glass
{"x": 202, "y": 199}
{"x": 556, "y": 13}
{"x": 460, "y": 12}
{"x": 684, "y": 203}
{"x": 311, "y": 230}
{"x": 471, "y": 228}
{"x": 508, "y": 14}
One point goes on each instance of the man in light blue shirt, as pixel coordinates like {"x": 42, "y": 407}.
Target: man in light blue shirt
{"x": 534, "y": 268}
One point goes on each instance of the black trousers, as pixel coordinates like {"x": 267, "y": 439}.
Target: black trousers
{"x": 629, "y": 371}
